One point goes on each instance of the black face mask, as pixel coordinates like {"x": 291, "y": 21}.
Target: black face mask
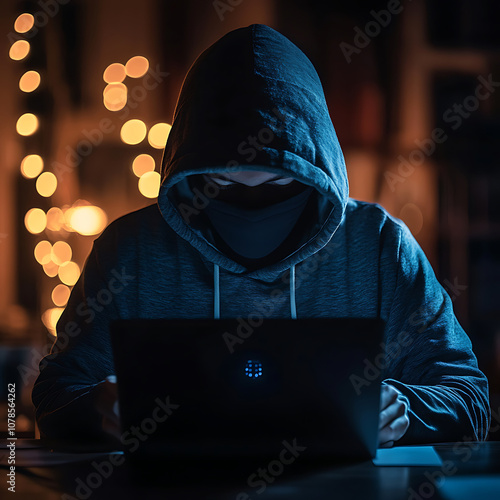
{"x": 255, "y": 221}
{"x": 255, "y": 233}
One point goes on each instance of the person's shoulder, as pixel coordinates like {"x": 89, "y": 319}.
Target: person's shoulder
{"x": 142, "y": 225}
{"x": 149, "y": 215}
{"x": 366, "y": 214}
{"x": 365, "y": 219}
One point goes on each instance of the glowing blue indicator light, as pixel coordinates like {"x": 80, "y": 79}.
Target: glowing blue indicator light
{"x": 253, "y": 369}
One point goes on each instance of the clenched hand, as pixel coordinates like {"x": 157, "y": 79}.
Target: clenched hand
{"x": 393, "y": 418}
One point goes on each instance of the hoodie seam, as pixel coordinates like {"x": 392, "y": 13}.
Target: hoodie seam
{"x": 396, "y": 281}
{"x": 316, "y": 97}
{"x": 270, "y": 78}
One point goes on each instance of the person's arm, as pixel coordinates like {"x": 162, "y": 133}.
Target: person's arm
{"x": 72, "y": 377}
{"x": 430, "y": 358}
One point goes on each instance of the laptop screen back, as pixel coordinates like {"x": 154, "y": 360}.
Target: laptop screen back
{"x": 212, "y": 387}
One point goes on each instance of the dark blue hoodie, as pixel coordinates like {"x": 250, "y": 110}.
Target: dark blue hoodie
{"x": 254, "y": 101}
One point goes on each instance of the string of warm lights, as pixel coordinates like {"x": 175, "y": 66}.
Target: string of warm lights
{"x": 134, "y": 131}
{"x": 53, "y": 254}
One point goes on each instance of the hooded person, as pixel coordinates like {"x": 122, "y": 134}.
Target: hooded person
{"x": 253, "y": 218}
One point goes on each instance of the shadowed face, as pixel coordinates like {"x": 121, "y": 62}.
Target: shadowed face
{"x": 253, "y": 189}
{"x": 251, "y": 214}
{"x": 249, "y": 178}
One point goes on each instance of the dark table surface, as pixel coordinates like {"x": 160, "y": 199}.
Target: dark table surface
{"x": 470, "y": 470}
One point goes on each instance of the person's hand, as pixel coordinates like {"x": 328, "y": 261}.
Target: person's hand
{"x": 106, "y": 403}
{"x": 393, "y": 418}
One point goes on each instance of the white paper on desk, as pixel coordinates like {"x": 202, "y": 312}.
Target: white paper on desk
{"x": 407, "y": 456}
{"x": 43, "y": 457}
{"x": 465, "y": 488}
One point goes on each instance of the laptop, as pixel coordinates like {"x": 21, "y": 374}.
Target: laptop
{"x": 222, "y": 388}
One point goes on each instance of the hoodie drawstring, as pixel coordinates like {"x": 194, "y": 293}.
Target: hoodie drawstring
{"x": 216, "y": 292}
{"x": 293, "y": 306}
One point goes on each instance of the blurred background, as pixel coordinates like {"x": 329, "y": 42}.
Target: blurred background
{"x": 87, "y": 93}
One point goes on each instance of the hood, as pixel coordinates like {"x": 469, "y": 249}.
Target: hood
{"x": 253, "y": 101}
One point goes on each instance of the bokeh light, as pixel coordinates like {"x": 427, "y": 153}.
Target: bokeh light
{"x": 19, "y": 50}
{"x": 114, "y": 73}
{"x": 137, "y": 66}
{"x": 158, "y": 135}
{"x": 35, "y": 220}
{"x": 55, "y": 219}
{"x": 46, "y": 184}
{"x": 149, "y": 184}
{"x": 29, "y": 81}
{"x": 31, "y": 166}
{"x": 24, "y": 23}
{"x": 69, "y": 273}
{"x": 86, "y": 220}
{"x": 142, "y": 164}
{"x": 27, "y": 124}
{"x": 50, "y": 318}
{"x": 51, "y": 269}
{"x": 61, "y": 253}
{"x": 133, "y": 131}
{"x": 60, "y": 295}
{"x": 43, "y": 251}
{"x": 67, "y": 211}
{"x": 115, "y": 96}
